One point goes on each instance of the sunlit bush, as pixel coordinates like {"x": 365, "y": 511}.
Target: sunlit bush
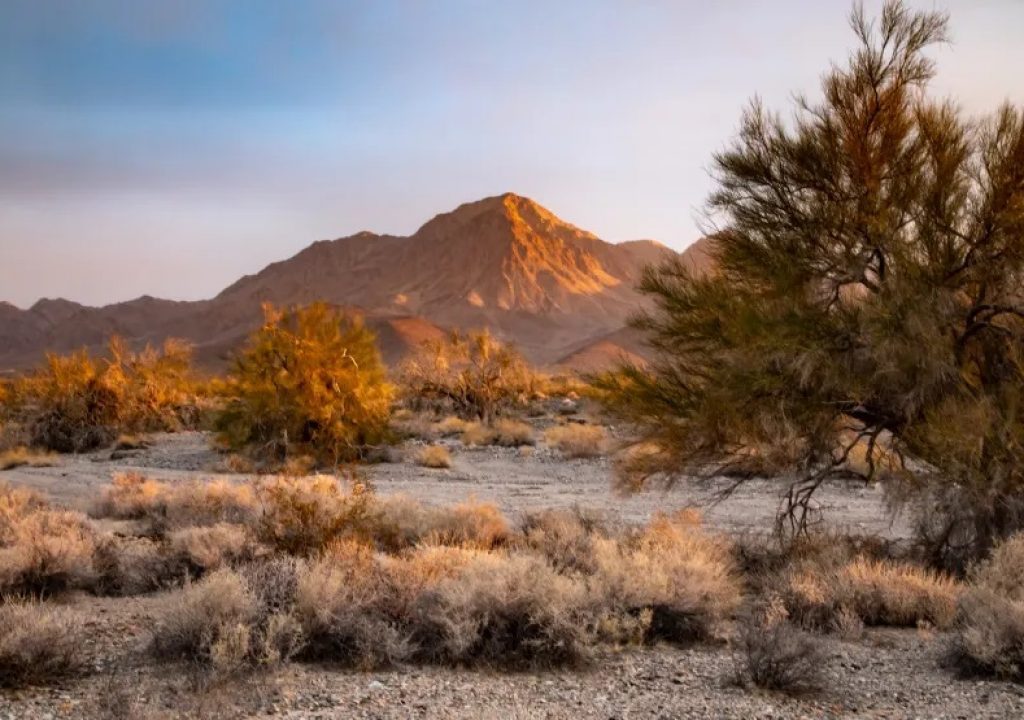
{"x": 310, "y": 382}
{"x": 78, "y": 402}
{"x": 473, "y": 375}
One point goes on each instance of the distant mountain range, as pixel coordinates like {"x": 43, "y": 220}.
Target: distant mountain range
{"x": 560, "y": 293}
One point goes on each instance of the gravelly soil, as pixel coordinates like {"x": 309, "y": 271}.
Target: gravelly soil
{"x": 886, "y": 674}
{"x": 517, "y": 481}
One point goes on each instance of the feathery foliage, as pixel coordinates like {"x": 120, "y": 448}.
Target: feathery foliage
{"x": 310, "y": 382}
{"x": 866, "y": 301}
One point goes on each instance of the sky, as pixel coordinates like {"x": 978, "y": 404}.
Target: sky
{"x": 168, "y": 147}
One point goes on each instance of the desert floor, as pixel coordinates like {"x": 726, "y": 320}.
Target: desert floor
{"x": 885, "y": 674}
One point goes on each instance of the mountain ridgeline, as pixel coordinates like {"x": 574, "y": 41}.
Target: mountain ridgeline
{"x": 560, "y": 293}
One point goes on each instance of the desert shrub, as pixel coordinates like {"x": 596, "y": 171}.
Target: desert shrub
{"x": 310, "y": 382}
{"x": 504, "y": 432}
{"x": 203, "y": 549}
{"x": 877, "y": 592}
{"x": 22, "y": 456}
{"x": 564, "y": 537}
{"x": 440, "y": 604}
{"x": 132, "y": 496}
{"x": 988, "y": 636}
{"x": 905, "y": 338}
{"x": 434, "y": 456}
{"x": 408, "y": 424}
{"x": 776, "y": 654}
{"x": 164, "y": 506}
{"x": 577, "y": 441}
{"x": 127, "y": 566}
{"x": 504, "y": 610}
{"x": 475, "y": 376}
{"x": 469, "y": 524}
{"x": 38, "y": 643}
{"x": 398, "y": 522}
{"x": 303, "y": 515}
{"x": 512, "y": 433}
{"x": 475, "y": 433}
{"x": 344, "y": 604}
{"x": 42, "y": 550}
{"x": 450, "y": 426}
{"x": 77, "y": 402}
{"x": 681, "y": 580}
{"x": 220, "y": 625}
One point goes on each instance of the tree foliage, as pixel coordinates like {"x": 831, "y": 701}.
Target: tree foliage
{"x": 865, "y": 315}
{"x": 311, "y": 381}
{"x": 472, "y": 374}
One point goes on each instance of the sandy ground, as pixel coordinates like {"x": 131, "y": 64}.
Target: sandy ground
{"x": 886, "y": 674}
{"x": 516, "y": 481}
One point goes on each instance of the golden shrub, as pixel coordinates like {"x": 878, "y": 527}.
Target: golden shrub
{"x": 434, "y": 456}
{"x": 683, "y": 579}
{"x": 77, "y": 402}
{"x": 310, "y": 382}
{"x": 473, "y": 375}
{"x": 304, "y": 515}
{"x": 577, "y": 441}
{"x": 822, "y": 594}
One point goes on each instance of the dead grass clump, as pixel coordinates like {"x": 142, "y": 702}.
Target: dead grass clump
{"x": 42, "y": 550}
{"x": 15, "y": 502}
{"x": 470, "y": 524}
{"x": 989, "y": 631}
{"x": 414, "y": 425}
{"x": 577, "y": 441}
{"x": 301, "y": 516}
{"x": 680, "y": 580}
{"x": 22, "y": 456}
{"x": 776, "y": 654}
{"x": 219, "y": 625}
{"x": 213, "y": 501}
{"x": 434, "y": 456}
{"x": 878, "y": 592}
{"x": 504, "y": 432}
{"x": 132, "y": 496}
{"x": 38, "y": 643}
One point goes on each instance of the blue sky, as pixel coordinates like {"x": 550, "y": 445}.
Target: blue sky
{"x": 168, "y": 147}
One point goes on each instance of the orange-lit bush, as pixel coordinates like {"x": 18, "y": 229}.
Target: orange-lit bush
{"x": 310, "y": 382}
{"x": 78, "y": 402}
{"x": 472, "y": 375}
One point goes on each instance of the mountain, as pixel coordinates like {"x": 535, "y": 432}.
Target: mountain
{"x": 503, "y": 262}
